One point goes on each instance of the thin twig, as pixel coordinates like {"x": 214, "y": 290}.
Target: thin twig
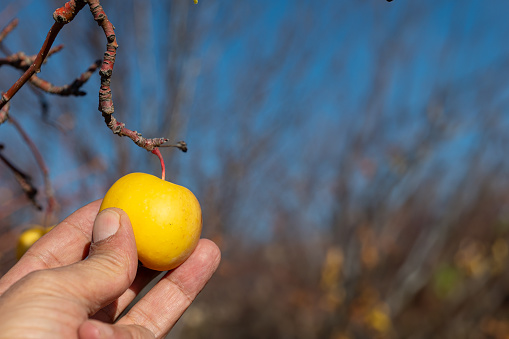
{"x": 62, "y": 16}
{"x": 72, "y": 89}
{"x": 23, "y": 62}
{"x": 42, "y": 166}
{"x": 180, "y": 145}
{"x": 23, "y": 179}
{"x": 105, "y": 97}
{"x": 4, "y": 113}
{"x": 7, "y": 29}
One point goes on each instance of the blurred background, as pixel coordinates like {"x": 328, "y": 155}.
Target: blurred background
{"x": 350, "y": 157}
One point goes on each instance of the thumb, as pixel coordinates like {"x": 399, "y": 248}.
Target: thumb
{"x": 110, "y": 267}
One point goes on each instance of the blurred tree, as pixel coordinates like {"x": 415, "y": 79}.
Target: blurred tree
{"x": 349, "y": 156}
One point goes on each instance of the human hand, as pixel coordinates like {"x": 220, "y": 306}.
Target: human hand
{"x": 77, "y": 279}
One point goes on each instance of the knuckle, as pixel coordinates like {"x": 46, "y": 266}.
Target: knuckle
{"x": 41, "y": 282}
{"x": 113, "y": 264}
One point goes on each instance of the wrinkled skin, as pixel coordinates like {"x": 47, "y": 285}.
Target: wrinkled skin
{"x": 77, "y": 279}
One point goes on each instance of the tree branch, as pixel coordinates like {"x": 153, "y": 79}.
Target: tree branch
{"x": 62, "y": 16}
{"x": 42, "y": 165}
{"x": 4, "y": 113}
{"x": 23, "y": 179}
{"x": 7, "y": 29}
{"x": 72, "y": 89}
{"x": 105, "y": 97}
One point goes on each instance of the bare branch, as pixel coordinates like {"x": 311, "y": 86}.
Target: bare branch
{"x": 180, "y": 145}
{"x": 105, "y": 97}
{"x": 4, "y": 113}
{"x": 42, "y": 165}
{"x": 72, "y": 89}
{"x": 22, "y": 61}
{"x": 7, "y": 29}
{"x": 62, "y": 16}
{"x": 23, "y": 179}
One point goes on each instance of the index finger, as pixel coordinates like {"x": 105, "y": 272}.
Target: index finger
{"x": 66, "y": 243}
{"x": 164, "y": 304}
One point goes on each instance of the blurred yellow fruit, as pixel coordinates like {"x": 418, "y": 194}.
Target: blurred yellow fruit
{"x": 28, "y": 238}
{"x": 166, "y": 218}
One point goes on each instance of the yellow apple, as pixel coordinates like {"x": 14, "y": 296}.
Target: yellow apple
{"x": 28, "y": 238}
{"x": 166, "y": 218}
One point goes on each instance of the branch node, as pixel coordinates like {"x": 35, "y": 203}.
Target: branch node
{"x": 105, "y": 73}
{"x": 181, "y": 145}
{"x": 66, "y": 14}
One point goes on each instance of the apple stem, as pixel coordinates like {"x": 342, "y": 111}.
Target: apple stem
{"x": 158, "y": 153}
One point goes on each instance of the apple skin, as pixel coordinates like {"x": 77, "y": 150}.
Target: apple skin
{"x": 28, "y": 238}
{"x": 166, "y": 218}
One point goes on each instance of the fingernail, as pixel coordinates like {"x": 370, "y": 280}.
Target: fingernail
{"x": 106, "y": 224}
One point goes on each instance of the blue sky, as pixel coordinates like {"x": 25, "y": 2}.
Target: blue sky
{"x": 317, "y": 73}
